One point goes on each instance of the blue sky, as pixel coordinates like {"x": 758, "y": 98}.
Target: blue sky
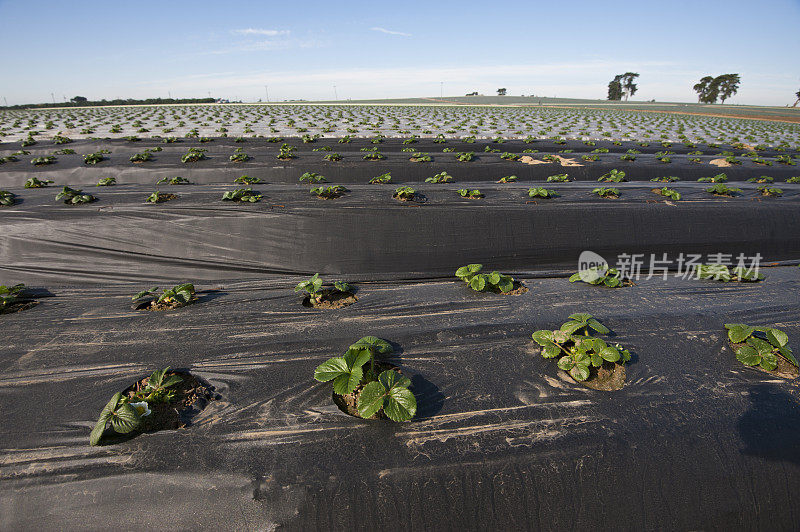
{"x": 399, "y": 49}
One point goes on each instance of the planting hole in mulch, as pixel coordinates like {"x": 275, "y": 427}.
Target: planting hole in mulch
{"x": 153, "y": 306}
{"x": 348, "y": 403}
{"x": 332, "y": 299}
{"x": 166, "y": 197}
{"x": 519, "y": 288}
{"x": 19, "y": 306}
{"x": 785, "y": 369}
{"x": 609, "y": 377}
{"x": 192, "y": 395}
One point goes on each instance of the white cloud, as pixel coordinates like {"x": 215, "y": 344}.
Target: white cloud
{"x": 258, "y": 31}
{"x": 266, "y": 46}
{"x": 390, "y": 32}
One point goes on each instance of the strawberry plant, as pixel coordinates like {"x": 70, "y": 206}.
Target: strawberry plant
{"x": 72, "y": 196}
{"x": 602, "y": 275}
{"x": 668, "y": 193}
{"x": 247, "y": 180}
{"x": 541, "y": 192}
{"x": 381, "y": 179}
{"x": 194, "y": 155}
{"x": 171, "y": 298}
{"x": 627, "y": 157}
{"x": 374, "y": 156}
{"x": 465, "y": 157}
{"x": 441, "y": 177}
{"x": 174, "y": 181}
{"x": 93, "y": 158}
{"x": 666, "y": 179}
{"x": 469, "y": 194}
{"x": 60, "y": 139}
{"x": 372, "y": 391}
{"x": 160, "y": 197}
{"x": 760, "y": 346}
{"x": 590, "y": 158}
{"x": 480, "y": 282}
{"x": 333, "y": 157}
{"x": 766, "y": 190}
{"x": 107, "y": 182}
{"x": 242, "y": 195}
{"x": 580, "y": 355}
{"x": 558, "y": 178}
{"x": 157, "y": 389}
{"x": 313, "y": 177}
{"x": 404, "y": 193}
{"x": 762, "y": 179}
{"x": 419, "y": 157}
{"x": 328, "y": 193}
{"x": 507, "y": 179}
{"x": 614, "y": 176}
{"x": 721, "y": 189}
{"x": 121, "y": 414}
{"x": 141, "y": 157}
{"x": 124, "y": 413}
{"x": 509, "y": 156}
{"x": 317, "y": 295}
{"x": 795, "y": 179}
{"x": 7, "y": 198}
{"x": 719, "y": 178}
{"x": 43, "y": 161}
{"x": 33, "y": 182}
{"x": 239, "y": 157}
{"x": 604, "y": 192}
{"x": 10, "y": 295}
{"x": 721, "y": 272}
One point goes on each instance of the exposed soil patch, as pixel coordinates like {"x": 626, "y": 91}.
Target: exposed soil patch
{"x": 18, "y": 307}
{"x": 567, "y": 162}
{"x": 331, "y": 299}
{"x": 785, "y": 369}
{"x": 722, "y": 163}
{"x": 191, "y": 396}
{"x": 608, "y": 377}
{"x": 527, "y": 159}
{"x": 348, "y": 403}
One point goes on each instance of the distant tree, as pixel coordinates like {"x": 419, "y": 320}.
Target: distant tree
{"x": 615, "y": 89}
{"x": 628, "y": 85}
{"x": 722, "y": 87}
{"x": 501, "y": 92}
{"x": 798, "y": 98}
{"x": 728, "y": 85}
{"x": 79, "y": 99}
{"x": 702, "y": 89}
{"x": 622, "y": 85}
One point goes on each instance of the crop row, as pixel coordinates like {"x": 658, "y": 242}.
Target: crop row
{"x": 365, "y": 382}
{"x": 207, "y": 120}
